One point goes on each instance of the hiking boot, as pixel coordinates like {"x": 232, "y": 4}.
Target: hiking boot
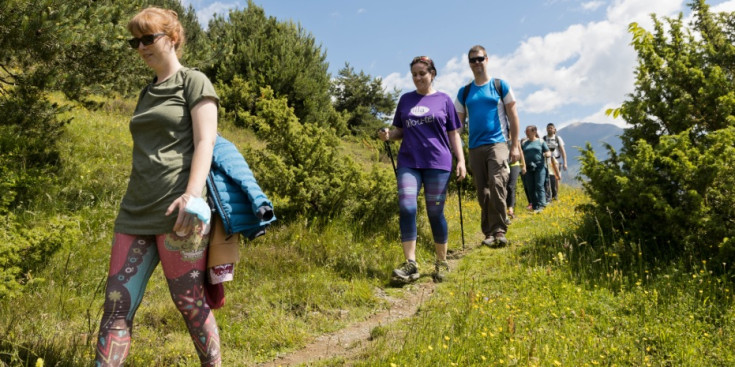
{"x": 500, "y": 239}
{"x": 408, "y": 272}
{"x": 488, "y": 241}
{"x": 441, "y": 268}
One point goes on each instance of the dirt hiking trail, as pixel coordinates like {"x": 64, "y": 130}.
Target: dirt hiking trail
{"x": 353, "y": 339}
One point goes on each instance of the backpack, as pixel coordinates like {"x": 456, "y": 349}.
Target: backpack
{"x": 466, "y": 92}
{"x": 553, "y": 143}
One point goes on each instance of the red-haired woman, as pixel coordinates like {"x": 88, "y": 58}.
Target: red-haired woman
{"x": 174, "y": 128}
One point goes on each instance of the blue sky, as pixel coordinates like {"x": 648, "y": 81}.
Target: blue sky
{"x": 566, "y": 60}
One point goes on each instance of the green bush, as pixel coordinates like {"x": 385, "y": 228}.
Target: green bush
{"x": 25, "y": 247}
{"x": 237, "y": 101}
{"x": 670, "y": 190}
{"x": 304, "y": 172}
{"x": 675, "y": 198}
{"x": 29, "y": 155}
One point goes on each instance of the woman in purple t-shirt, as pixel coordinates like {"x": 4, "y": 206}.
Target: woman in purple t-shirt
{"x": 427, "y": 125}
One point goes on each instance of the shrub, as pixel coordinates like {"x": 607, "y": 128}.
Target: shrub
{"x": 29, "y": 155}
{"x": 303, "y": 171}
{"x": 674, "y": 198}
{"x": 25, "y": 247}
{"x": 671, "y": 187}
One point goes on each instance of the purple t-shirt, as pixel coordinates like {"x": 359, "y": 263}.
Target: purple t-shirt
{"x": 425, "y": 121}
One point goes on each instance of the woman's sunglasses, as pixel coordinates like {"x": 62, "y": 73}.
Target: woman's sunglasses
{"x": 147, "y": 40}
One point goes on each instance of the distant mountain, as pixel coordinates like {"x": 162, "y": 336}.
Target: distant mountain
{"x": 576, "y": 137}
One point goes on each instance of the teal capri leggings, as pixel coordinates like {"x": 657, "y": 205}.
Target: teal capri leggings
{"x": 435, "y": 183}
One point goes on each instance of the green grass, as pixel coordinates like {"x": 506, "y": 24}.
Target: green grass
{"x": 548, "y": 299}
{"x": 300, "y": 280}
{"x": 526, "y": 306}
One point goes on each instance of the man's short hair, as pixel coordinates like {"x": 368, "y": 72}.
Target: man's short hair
{"x": 476, "y": 48}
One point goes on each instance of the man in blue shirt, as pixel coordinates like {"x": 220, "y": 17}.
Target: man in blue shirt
{"x": 492, "y": 119}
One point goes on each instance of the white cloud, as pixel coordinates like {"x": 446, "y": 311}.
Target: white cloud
{"x": 361, "y": 11}
{"x": 396, "y": 80}
{"x": 588, "y": 64}
{"x": 204, "y": 15}
{"x": 624, "y": 12}
{"x": 728, "y": 6}
{"x": 592, "y": 5}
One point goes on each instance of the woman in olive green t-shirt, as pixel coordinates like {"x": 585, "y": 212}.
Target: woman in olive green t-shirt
{"x": 174, "y": 128}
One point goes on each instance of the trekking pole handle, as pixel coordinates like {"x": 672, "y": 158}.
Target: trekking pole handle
{"x": 385, "y": 131}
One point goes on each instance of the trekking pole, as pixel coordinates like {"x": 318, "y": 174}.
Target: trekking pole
{"x": 461, "y": 221}
{"x": 390, "y": 154}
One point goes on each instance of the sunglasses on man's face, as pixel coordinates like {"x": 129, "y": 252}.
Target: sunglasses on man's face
{"x": 146, "y": 40}
{"x": 477, "y": 59}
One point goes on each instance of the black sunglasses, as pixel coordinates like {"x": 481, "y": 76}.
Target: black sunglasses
{"x": 147, "y": 40}
{"x": 474, "y": 59}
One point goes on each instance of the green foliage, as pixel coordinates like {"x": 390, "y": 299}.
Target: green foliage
{"x": 303, "y": 171}
{"x": 672, "y": 197}
{"x": 28, "y": 155}
{"x": 76, "y": 48}
{"x": 237, "y": 101}
{"x": 364, "y": 99}
{"x": 281, "y": 55}
{"x": 669, "y": 192}
{"x": 24, "y": 248}
{"x": 685, "y": 77}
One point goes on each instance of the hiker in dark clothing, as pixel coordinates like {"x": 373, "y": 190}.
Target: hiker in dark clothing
{"x": 534, "y": 151}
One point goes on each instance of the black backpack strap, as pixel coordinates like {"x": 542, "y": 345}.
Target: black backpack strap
{"x": 465, "y": 93}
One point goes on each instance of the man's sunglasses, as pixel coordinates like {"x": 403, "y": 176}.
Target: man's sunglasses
{"x": 474, "y": 59}
{"x": 147, "y": 40}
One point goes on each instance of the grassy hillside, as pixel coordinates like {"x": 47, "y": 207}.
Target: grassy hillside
{"x": 546, "y": 300}
{"x": 300, "y": 280}
{"x": 529, "y": 305}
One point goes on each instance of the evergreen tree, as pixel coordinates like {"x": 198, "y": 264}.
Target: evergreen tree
{"x": 684, "y": 79}
{"x": 671, "y": 191}
{"x": 281, "y": 55}
{"x": 363, "y": 98}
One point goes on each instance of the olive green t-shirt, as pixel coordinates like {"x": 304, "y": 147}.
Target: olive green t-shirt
{"x": 163, "y": 147}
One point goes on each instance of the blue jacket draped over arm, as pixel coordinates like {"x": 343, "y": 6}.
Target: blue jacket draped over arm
{"x": 234, "y": 193}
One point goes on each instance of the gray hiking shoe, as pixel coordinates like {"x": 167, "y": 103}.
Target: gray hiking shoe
{"x": 488, "y": 241}
{"x": 441, "y": 268}
{"x": 408, "y": 272}
{"x": 500, "y": 239}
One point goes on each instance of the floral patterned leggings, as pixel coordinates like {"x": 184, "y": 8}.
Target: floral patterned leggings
{"x": 132, "y": 262}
